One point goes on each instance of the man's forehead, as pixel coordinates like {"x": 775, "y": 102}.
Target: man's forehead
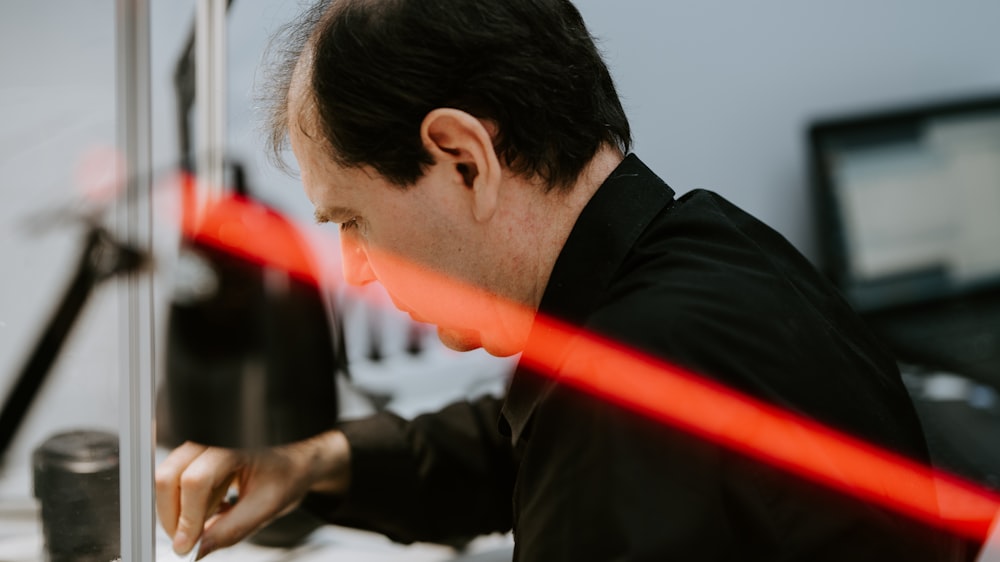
{"x": 302, "y": 118}
{"x": 299, "y": 101}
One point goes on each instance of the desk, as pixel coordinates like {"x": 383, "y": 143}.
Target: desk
{"x": 21, "y": 541}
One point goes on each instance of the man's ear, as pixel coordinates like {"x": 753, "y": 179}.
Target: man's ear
{"x": 463, "y": 144}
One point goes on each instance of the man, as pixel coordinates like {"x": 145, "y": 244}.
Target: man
{"x": 475, "y": 155}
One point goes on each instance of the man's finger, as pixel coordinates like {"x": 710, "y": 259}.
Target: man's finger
{"x": 250, "y": 513}
{"x": 168, "y": 483}
{"x": 203, "y": 485}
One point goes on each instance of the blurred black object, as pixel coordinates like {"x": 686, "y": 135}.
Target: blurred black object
{"x": 250, "y": 355}
{"x": 960, "y": 417}
{"x": 961, "y": 421}
{"x": 76, "y": 482}
{"x": 102, "y": 257}
{"x": 184, "y": 92}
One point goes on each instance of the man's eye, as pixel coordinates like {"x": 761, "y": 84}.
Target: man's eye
{"x": 349, "y": 225}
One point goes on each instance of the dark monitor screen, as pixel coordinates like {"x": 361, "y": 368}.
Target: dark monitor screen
{"x": 909, "y": 202}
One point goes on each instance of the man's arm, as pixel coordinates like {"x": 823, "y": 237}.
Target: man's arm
{"x": 441, "y": 477}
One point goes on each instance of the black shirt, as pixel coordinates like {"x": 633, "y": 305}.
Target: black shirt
{"x": 698, "y": 283}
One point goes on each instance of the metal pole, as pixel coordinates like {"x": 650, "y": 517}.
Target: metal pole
{"x": 210, "y": 97}
{"x": 136, "y": 326}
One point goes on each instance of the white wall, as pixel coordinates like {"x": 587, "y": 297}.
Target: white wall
{"x": 718, "y": 94}
{"x": 56, "y": 102}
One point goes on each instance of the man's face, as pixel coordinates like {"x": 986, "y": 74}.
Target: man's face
{"x": 420, "y": 243}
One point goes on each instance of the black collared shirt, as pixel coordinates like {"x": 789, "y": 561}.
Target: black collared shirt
{"x": 698, "y": 283}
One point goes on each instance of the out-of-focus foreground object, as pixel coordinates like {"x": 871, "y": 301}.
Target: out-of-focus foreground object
{"x": 250, "y": 351}
{"x": 76, "y": 482}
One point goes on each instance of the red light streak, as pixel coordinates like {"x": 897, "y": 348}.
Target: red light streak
{"x": 654, "y": 388}
{"x": 247, "y": 229}
{"x": 722, "y": 415}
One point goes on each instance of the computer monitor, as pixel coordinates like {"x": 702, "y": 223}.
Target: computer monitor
{"x": 909, "y": 202}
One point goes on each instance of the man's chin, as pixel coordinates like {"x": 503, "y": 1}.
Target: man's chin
{"x": 459, "y": 340}
{"x": 467, "y": 340}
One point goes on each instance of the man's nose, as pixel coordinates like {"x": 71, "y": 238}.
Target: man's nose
{"x": 357, "y": 269}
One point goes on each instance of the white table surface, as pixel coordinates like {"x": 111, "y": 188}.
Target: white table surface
{"x": 21, "y": 541}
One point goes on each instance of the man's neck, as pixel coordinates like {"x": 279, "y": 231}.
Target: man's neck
{"x": 531, "y": 229}
{"x": 553, "y": 215}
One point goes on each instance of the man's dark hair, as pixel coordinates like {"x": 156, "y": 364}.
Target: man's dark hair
{"x": 380, "y": 66}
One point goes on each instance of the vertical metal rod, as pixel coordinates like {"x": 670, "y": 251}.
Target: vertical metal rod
{"x": 135, "y": 290}
{"x": 210, "y": 96}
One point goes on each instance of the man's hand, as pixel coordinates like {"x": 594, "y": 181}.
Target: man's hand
{"x": 192, "y": 483}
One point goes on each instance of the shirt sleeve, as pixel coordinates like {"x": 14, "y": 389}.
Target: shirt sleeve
{"x": 442, "y": 477}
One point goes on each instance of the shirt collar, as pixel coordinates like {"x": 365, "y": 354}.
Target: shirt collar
{"x": 605, "y": 231}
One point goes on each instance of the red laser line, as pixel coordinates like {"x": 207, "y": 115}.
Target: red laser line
{"x": 247, "y": 229}
{"x": 720, "y": 414}
{"x": 656, "y": 389}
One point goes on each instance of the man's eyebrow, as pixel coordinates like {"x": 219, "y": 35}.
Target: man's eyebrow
{"x": 333, "y": 214}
